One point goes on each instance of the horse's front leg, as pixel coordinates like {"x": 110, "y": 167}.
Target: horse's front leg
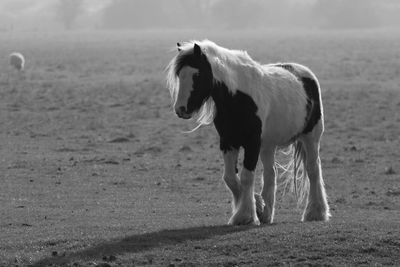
{"x": 230, "y": 175}
{"x": 246, "y": 207}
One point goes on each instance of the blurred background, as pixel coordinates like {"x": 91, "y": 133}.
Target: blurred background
{"x": 194, "y": 14}
{"x": 94, "y": 161}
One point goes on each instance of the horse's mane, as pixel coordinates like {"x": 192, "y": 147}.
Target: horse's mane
{"x": 228, "y": 66}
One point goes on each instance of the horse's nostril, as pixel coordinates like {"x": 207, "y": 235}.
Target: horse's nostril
{"x": 182, "y": 112}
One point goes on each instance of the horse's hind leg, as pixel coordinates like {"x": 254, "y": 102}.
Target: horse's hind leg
{"x": 230, "y": 176}
{"x": 269, "y": 184}
{"x": 317, "y": 208}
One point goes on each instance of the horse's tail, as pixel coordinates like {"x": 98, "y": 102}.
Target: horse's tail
{"x": 292, "y": 173}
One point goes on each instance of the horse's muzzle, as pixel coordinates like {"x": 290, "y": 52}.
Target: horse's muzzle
{"x": 184, "y": 116}
{"x": 181, "y": 113}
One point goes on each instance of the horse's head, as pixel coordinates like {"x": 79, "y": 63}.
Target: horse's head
{"x": 194, "y": 80}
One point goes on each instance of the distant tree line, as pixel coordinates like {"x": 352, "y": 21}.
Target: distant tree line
{"x": 147, "y": 14}
{"x": 67, "y": 11}
{"x": 155, "y": 13}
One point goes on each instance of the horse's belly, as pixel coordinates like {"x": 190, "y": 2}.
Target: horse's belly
{"x": 282, "y": 124}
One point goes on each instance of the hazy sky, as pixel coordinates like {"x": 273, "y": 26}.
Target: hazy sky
{"x": 34, "y": 6}
{"x": 43, "y": 14}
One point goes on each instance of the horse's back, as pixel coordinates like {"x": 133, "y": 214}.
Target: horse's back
{"x": 295, "y": 68}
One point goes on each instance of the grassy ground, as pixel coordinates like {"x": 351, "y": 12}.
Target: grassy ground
{"x": 95, "y": 168}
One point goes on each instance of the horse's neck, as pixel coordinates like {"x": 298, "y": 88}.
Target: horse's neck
{"x": 220, "y": 95}
{"x": 228, "y": 102}
{"x": 235, "y": 117}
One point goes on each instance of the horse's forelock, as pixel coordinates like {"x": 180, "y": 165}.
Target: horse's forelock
{"x": 172, "y": 79}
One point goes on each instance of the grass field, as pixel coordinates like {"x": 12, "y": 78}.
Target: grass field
{"x": 96, "y": 170}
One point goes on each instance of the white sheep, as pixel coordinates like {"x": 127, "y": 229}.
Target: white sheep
{"x": 17, "y": 61}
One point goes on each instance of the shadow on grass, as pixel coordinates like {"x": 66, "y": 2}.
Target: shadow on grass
{"x": 142, "y": 242}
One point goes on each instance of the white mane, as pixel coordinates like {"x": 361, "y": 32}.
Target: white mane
{"x": 235, "y": 68}
{"x": 232, "y": 67}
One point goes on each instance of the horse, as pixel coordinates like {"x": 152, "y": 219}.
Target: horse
{"x": 260, "y": 109}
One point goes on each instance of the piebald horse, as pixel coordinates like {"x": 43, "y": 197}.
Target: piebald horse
{"x": 260, "y": 108}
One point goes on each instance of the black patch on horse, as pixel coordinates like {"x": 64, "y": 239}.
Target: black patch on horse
{"x": 202, "y": 81}
{"x": 311, "y": 88}
{"x": 185, "y": 59}
{"x": 201, "y": 90}
{"x": 237, "y": 123}
{"x": 313, "y": 103}
{"x": 286, "y": 66}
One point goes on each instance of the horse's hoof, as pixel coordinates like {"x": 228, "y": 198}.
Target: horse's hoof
{"x": 316, "y": 214}
{"x": 266, "y": 219}
{"x": 243, "y": 220}
{"x": 315, "y": 217}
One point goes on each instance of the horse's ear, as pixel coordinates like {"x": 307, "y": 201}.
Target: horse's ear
{"x": 196, "y": 50}
{"x": 179, "y": 46}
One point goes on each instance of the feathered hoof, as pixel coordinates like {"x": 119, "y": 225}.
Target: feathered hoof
{"x": 263, "y": 215}
{"x": 316, "y": 214}
{"x": 242, "y": 219}
{"x": 260, "y": 204}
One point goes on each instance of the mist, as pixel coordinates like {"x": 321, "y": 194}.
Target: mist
{"x": 196, "y": 14}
